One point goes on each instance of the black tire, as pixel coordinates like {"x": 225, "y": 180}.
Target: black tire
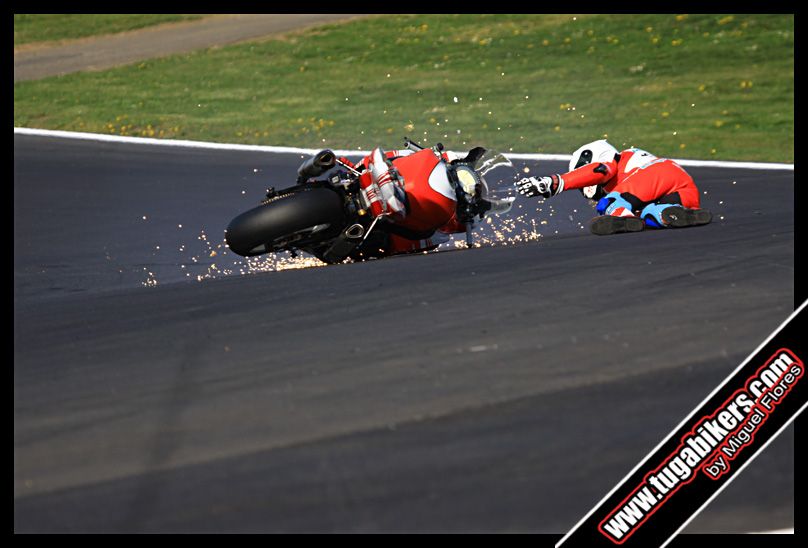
{"x": 270, "y": 226}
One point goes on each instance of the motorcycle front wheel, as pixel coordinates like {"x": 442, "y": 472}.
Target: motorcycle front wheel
{"x": 299, "y": 217}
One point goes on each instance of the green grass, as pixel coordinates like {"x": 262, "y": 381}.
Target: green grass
{"x": 697, "y": 86}
{"x": 47, "y": 27}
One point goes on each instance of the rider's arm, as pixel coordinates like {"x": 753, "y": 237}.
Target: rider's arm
{"x": 592, "y": 174}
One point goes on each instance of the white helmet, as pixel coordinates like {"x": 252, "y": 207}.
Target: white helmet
{"x": 597, "y": 151}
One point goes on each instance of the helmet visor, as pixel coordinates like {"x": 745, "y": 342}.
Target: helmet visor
{"x": 584, "y": 159}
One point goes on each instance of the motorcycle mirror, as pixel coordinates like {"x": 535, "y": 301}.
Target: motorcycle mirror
{"x": 474, "y": 154}
{"x": 317, "y": 164}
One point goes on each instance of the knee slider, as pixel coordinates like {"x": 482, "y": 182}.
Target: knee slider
{"x": 612, "y": 201}
{"x": 604, "y": 202}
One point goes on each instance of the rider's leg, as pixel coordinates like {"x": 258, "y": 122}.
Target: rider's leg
{"x": 669, "y": 212}
{"x": 616, "y": 216}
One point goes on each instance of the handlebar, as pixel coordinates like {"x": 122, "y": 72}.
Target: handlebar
{"x": 412, "y": 145}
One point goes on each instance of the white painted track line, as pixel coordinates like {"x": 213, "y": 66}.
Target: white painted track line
{"x": 295, "y": 150}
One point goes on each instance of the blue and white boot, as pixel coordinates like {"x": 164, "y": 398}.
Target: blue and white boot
{"x": 674, "y": 216}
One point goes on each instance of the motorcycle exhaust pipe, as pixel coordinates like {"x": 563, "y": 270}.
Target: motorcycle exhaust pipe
{"x": 317, "y": 164}
{"x": 345, "y": 243}
{"x": 354, "y": 232}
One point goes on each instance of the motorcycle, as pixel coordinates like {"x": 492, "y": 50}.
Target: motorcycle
{"x": 327, "y": 213}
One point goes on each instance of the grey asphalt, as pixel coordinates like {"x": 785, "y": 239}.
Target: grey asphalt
{"x": 128, "y": 47}
{"x": 499, "y": 389}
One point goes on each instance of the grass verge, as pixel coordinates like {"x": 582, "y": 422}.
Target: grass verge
{"x": 690, "y": 86}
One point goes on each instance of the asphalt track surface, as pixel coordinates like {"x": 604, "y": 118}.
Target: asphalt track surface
{"x": 102, "y": 52}
{"x": 498, "y": 389}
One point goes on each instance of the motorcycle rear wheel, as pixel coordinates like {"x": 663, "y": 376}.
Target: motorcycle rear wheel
{"x": 303, "y": 216}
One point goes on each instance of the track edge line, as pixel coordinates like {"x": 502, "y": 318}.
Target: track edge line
{"x": 296, "y": 150}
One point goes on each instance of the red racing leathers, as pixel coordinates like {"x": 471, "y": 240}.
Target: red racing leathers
{"x": 640, "y": 178}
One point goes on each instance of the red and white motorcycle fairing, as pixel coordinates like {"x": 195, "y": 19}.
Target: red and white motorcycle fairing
{"x": 413, "y": 188}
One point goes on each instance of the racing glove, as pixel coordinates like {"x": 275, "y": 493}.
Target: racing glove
{"x": 543, "y": 186}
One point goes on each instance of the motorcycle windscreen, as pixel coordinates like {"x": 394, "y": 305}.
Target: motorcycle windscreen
{"x": 498, "y": 175}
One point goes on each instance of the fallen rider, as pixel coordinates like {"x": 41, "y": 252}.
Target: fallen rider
{"x": 634, "y": 189}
